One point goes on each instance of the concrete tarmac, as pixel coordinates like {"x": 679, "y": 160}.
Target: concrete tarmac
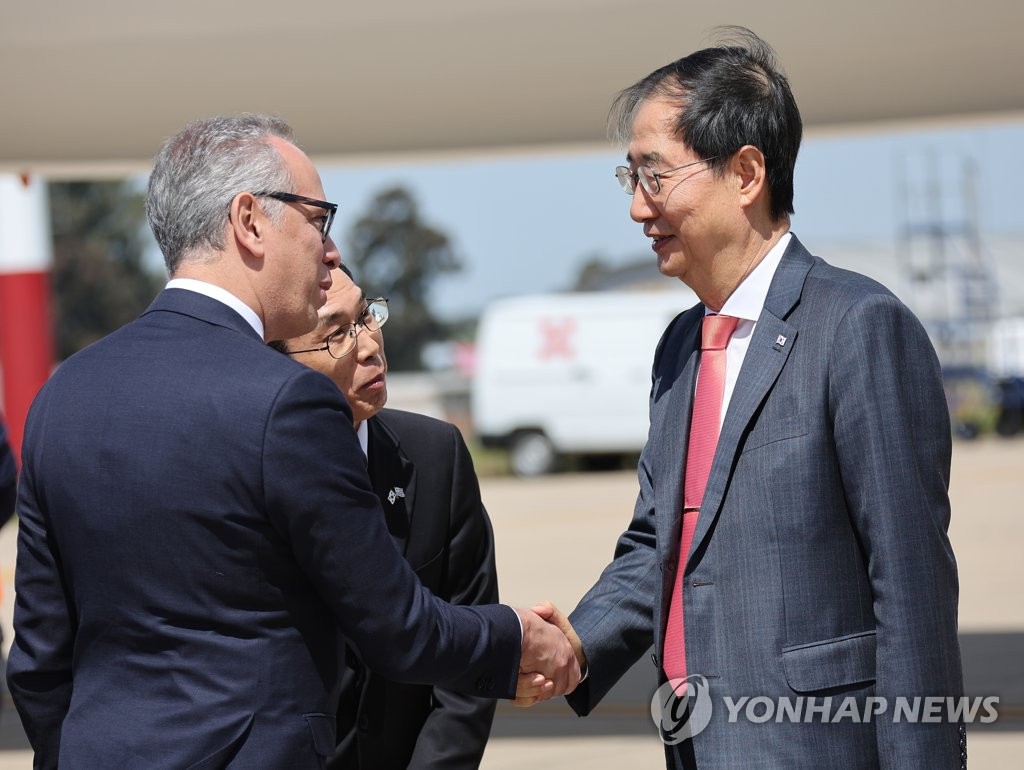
{"x": 554, "y": 536}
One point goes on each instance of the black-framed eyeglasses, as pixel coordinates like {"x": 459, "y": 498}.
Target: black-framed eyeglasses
{"x": 343, "y": 341}
{"x": 650, "y": 179}
{"x": 287, "y": 197}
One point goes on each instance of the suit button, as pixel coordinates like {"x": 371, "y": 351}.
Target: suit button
{"x": 364, "y": 723}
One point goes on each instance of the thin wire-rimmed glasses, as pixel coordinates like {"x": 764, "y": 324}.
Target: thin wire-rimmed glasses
{"x": 650, "y": 179}
{"x": 343, "y": 341}
{"x": 287, "y": 197}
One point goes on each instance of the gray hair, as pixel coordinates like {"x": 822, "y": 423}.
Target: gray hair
{"x": 197, "y": 174}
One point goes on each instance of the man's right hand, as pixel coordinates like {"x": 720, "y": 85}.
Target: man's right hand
{"x": 547, "y": 660}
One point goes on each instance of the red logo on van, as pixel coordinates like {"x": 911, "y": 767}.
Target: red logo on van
{"x": 556, "y": 338}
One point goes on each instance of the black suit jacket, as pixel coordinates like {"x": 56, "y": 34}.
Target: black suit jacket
{"x": 423, "y": 473}
{"x": 8, "y": 477}
{"x": 185, "y": 565}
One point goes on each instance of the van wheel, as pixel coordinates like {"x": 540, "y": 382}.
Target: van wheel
{"x": 531, "y": 454}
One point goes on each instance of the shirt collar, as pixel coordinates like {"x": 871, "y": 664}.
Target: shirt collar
{"x": 363, "y": 434}
{"x": 221, "y": 295}
{"x": 747, "y": 300}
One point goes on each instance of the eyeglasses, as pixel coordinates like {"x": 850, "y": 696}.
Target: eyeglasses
{"x": 330, "y": 208}
{"x": 343, "y": 341}
{"x": 651, "y": 180}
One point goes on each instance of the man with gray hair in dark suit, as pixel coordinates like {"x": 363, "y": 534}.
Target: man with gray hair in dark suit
{"x": 186, "y": 567}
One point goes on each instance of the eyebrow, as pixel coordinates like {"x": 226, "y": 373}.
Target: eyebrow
{"x": 336, "y": 316}
{"x": 647, "y": 157}
{"x": 330, "y": 320}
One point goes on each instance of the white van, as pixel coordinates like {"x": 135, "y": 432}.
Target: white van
{"x": 568, "y": 374}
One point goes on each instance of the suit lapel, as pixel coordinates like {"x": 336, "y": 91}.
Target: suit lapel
{"x": 769, "y": 349}
{"x": 393, "y": 476}
{"x": 675, "y": 430}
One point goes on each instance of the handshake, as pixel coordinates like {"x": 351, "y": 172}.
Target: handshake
{"x": 552, "y": 659}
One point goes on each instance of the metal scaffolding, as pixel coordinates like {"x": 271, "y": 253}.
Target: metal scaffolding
{"x": 950, "y": 281}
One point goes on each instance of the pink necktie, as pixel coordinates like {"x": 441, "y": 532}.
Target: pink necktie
{"x": 704, "y": 428}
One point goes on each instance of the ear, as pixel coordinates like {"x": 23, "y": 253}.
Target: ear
{"x": 248, "y": 223}
{"x": 751, "y": 175}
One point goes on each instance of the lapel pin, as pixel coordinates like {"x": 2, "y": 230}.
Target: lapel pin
{"x": 780, "y": 341}
{"x": 394, "y": 494}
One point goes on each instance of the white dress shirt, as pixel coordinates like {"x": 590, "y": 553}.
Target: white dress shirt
{"x": 363, "y": 434}
{"x": 746, "y": 303}
{"x": 221, "y": 295}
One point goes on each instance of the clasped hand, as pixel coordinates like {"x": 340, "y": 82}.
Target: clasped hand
{"x": 552, "y": 656}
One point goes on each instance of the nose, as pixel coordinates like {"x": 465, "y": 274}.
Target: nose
{"x": 332, "y": 255}
{"x": 368, "y": 344}
{"x": 642, "y": 208}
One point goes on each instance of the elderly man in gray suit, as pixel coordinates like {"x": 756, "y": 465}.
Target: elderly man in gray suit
{"x": 789, "y": 539}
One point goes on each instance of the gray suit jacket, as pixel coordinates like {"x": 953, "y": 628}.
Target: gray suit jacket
{"x": 820, "y": 565}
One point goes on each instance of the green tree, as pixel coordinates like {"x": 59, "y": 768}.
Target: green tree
{"x": 100, "y": 280}
{"x": 395, "y": 254}
{"x": 594, "y": 270}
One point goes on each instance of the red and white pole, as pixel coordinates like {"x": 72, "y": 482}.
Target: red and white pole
{"x": 26, "y": 325}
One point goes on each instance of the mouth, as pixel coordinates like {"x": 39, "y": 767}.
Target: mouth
{"x": 375, "y": 384}
{"x": 658, "y": 242}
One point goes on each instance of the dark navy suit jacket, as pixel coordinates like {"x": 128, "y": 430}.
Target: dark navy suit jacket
{"x": 8, "y": 476}
{"x": 185, "y": 565}
{"x": 423, "y": 474}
